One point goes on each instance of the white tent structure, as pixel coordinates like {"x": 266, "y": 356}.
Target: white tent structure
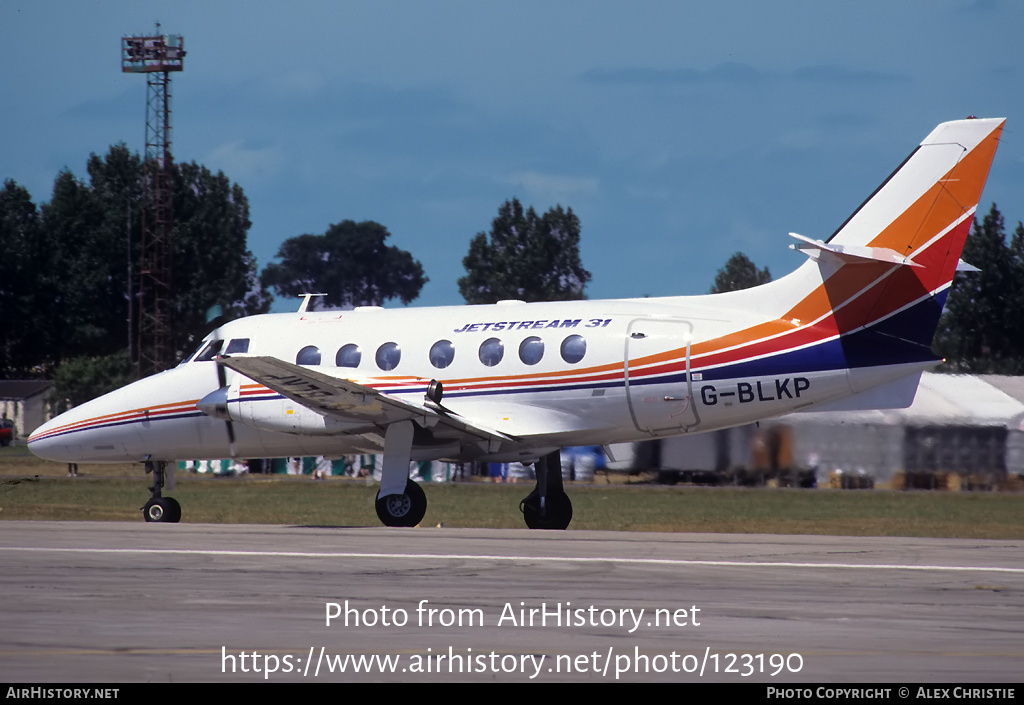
{"x": 969, "y": 425}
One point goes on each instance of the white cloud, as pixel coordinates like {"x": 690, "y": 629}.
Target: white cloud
{"x": 297, "y": 82}
{"x": 245, "y": 163}
{"x": 554, "y": 187}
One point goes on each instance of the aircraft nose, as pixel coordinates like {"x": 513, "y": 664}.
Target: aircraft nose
{"x": 85, "y": 433}
{"x": 46, "y": 442}
{"x": 151, "y": 417}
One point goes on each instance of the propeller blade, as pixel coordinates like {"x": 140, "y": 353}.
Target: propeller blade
{"x": 222, "y": 380}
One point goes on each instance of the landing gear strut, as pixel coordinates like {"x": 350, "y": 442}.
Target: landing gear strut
{"x": 548, "y": 506}
{"x": 400, "y": 501}
{"x": 160, "y": 508}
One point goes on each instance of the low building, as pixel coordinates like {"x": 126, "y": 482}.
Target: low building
{"x": 24, "y": 403}
{"x": 962, "y": 426}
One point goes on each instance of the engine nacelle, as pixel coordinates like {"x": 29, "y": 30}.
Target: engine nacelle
{"x": 269, "y": 411}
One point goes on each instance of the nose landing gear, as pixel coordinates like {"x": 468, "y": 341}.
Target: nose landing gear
{"x": 160, "y": 508}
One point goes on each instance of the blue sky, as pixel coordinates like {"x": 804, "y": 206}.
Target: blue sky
{"x": 679, "y": 132}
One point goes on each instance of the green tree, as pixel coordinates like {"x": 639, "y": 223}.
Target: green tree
{"x": 526, "y": 257}
{"x": 115, "y": 183}
{"x": 212, "y": 264}
{"x": 351, "y": 263}
{"x": 1014, "y": 312}
{"x": 739, "y": 273}
{"x": 83, "y": 378}
{"x": 82, "y": 288}
{"x": 22, "y": 257}
{"x": 980, "y": 330}
{"x": 72, "y": 260}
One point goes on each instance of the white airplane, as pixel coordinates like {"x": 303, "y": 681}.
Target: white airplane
{"x": 849, "y": 329}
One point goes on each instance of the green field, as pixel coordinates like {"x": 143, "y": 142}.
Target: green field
{"x": 36, "y": 489}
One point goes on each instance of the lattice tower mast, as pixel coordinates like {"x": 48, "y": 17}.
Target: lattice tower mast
{"x": 157, "y": 56}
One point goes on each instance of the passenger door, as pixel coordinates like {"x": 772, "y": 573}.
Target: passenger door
{"x": 658, "y": 384}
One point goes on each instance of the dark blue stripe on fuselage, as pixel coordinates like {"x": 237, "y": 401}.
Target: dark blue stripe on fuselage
{"x": 893, "y": 341}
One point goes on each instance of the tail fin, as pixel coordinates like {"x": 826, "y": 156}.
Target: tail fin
{"x": 886, "y": 270}
{"x": 939, "y": 183}
{"x": 873, "y": 294}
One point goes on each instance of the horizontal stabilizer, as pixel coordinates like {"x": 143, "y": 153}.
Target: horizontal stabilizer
{"x": 850, "y": 253}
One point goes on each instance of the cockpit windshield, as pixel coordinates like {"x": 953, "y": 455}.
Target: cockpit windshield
{"x": 192, "y": 354}
{"x": 211, "y": 351}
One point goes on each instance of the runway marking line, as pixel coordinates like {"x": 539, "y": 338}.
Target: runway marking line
{"x": 540, "y": 559}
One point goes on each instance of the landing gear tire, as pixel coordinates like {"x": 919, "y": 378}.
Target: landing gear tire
{"x": 175, "y": 510}
{"x": 402, "y": 509}
{"x": 162, "y": 509}
{"x": 548, "y": 506}
{"x": 555, "y": 514}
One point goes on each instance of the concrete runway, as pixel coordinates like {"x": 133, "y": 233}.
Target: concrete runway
{"x": 131, "y": 602}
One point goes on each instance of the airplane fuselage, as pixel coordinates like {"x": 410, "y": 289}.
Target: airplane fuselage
{"x": 548, "y": 374}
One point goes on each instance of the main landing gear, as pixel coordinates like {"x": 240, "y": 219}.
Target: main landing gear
{"x": 400, "y": 501}
{"x": 548, "y": 506}
{"x": 406, "y": 509}
{"x": 160, "y": 508}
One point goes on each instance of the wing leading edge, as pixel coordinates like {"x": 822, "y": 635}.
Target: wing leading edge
{"x": 345, "y": 399}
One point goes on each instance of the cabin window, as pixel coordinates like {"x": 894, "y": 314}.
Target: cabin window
{"x": 388, "y": 356}
{"x": 238, "y": 345}
{"x": 211, "y": 351}
{"x": 348, "y": 356}
{"x": 531, "y": 350}
{"x": 491, "y": 351}
{"x": 573, "y": 349}
{"x": 309, "y": 355}
{"x": 442, "y": 353}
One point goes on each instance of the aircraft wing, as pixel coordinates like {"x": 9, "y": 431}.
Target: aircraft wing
{"x": 344, "y": 398}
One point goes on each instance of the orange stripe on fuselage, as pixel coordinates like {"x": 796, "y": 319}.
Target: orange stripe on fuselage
{"x": 129, "y": 415}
